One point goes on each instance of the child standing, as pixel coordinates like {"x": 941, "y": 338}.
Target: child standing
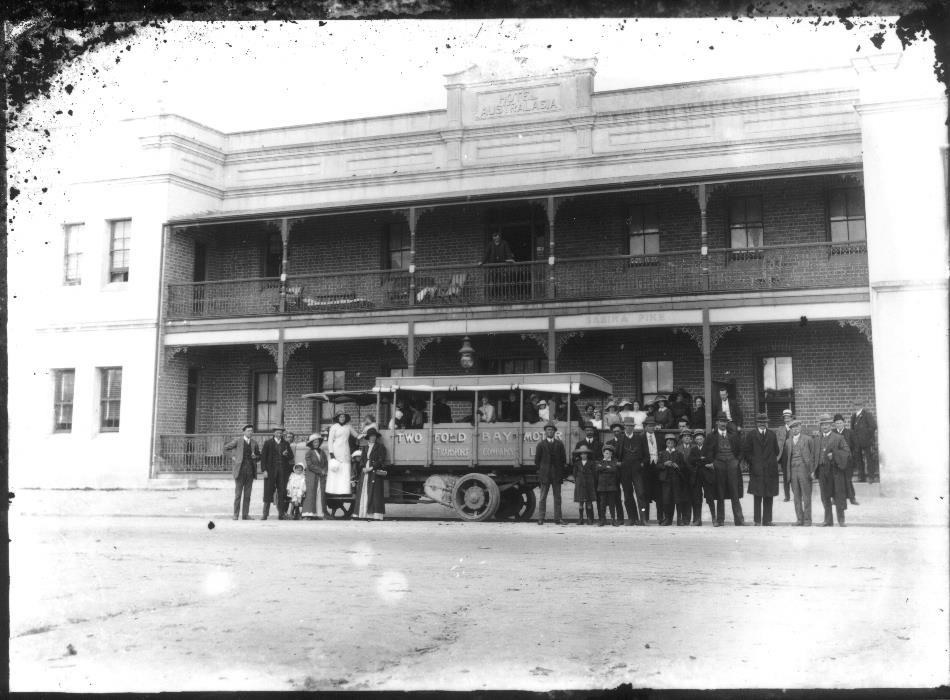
{"x": 585, "y": 484}
{"x": 296, "y": 490}
{"x": 608, "y": 487}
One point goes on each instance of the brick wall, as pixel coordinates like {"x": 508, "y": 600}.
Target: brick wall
{"x": 172, "y": 393}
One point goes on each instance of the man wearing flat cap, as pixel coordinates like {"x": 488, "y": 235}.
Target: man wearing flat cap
{"x": 246, "y": 455}
{"x": 830, "y": 468}
{"x": 724, "y": 449}
{"x": 782, "y": 436}
{"x": 760, "y": 449}
{"x": 799, "y": 456}
{"x": 550, "y": 458}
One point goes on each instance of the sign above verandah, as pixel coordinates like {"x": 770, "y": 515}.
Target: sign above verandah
{"x": 504, "y": 103}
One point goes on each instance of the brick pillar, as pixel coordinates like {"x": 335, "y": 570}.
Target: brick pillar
{"x": 902, "y": 112}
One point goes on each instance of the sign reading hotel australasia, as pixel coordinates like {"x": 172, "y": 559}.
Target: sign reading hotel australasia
{"x": 512, "y": 103}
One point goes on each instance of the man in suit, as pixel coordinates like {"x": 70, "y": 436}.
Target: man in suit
{"x": 244, "y": 460}
{"x": 728, "y": 406}
{"x": 498, "y": 281}
{"x": 782, "y": 435}
{"x": 630, "y": 452}
{"x": 276, "y": 462}
{"x": 724, "y": 449}
{"x": 550, "y": 458}
{"x": 651, "y": 464}
{"x": 441, "y": 412}
{"x": 760, "y": 449}
{"x": 830, "y": 469}
{"x": 530, "y": 413}
{"x": 864, "y": 434}
{"x": 592, "y": 440}
{"x": 799, "y": 457}
{"x": 849, "y": 473}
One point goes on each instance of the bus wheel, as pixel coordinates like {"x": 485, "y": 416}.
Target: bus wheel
{"x": 518, "y": 502}
{"x": 338, "y": 509}
{"x": 475, "y": 497}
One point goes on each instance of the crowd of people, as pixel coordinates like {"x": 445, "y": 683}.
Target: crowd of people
{"x": 675, "y": 471}
{"x": 678, "y": 471}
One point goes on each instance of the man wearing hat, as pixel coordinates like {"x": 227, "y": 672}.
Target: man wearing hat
{"x": 670, "y": 474}
{"x": 760, "y": 449}
{"x": 651, "y": 462}
{"x": 550, "y": 458}
{"x": 276, "y": 463}
{"x": 849, "y": 439}
{"x": 244, "y": 469}
{"x": 781, "y": 435}
{"x": 799, "y": 457}
{"x": 723, "y": 449}
{"x": 864, "y": 430}
{"x": 830, "y": 468}
{"x": 630, "y": 451}
{"x": 592, "y": 441}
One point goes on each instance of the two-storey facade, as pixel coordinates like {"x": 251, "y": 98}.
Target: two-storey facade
{"x": 747, "y": 233}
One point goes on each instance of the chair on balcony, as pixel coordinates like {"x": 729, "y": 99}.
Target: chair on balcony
{"x": 455, "y": 292}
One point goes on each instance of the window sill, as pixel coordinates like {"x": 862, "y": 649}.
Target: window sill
{"x": 848, "y": 248}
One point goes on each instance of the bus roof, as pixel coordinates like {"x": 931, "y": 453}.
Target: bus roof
{"x": 556, "y": 382}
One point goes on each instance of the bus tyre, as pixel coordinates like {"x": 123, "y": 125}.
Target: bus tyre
{"x": 476, "y": 497}
{"x": 517, "y": 502}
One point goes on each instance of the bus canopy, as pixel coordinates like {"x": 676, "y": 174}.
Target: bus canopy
{"x": 554, "y": 382}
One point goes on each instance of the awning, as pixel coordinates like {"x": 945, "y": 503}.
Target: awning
{"x": 550, "y": 388}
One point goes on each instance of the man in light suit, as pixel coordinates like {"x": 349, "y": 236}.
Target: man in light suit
{"x": 550, "y": 458}
{"x": 244, "y": 460}
{"x": 864, "y": 435}
{"x": 799, "y": 458}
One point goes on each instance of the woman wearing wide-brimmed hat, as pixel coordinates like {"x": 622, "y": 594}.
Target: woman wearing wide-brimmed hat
{"x": 370, "y": 495}
{"x": 339, "y": 467}
{"x": 316, "y": 474}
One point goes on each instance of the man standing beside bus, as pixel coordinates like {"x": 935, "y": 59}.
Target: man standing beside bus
{"x": 550, "y": 458}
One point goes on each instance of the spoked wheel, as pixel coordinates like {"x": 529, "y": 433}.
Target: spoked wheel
{"x": 518, "y": 503}
{"x": 475, "y": 497}
{"x": 338, "y": 508}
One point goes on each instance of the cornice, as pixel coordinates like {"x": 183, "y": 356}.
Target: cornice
{"x": 183, "y": 143}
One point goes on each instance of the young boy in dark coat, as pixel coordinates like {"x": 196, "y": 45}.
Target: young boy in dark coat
{"x": 671, "y": 467}
{"x": 685, "y": 504}
{"x": 608, "y": 486}
{"x": 585, "y": 484}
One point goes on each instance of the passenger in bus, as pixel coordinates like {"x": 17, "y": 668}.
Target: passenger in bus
{"x": 557, "y": 409}
{"x": 370, "y": 495}
{"x": 550, "y": 458}
{"x": 544, "y": 414}
{"x": 441, "y": 412}
{"x": 510, "y": 409}
{"x": 531, "y": 409}
{"x": 587, "y": 417}
{"x": 608, "y": 490}
{"x": 486, "y": 412}
{"x": 368, "y": 422}
{"x": 585, "y": 483}
{"x": 418, "y": 417}
{"x": 400, "y": 417}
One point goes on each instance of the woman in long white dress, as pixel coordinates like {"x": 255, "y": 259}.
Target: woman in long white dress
{"x": 339, "y": 468}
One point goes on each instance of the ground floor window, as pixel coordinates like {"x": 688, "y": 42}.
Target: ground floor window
{"x": 656, "y": 379}
{"x": 265, "y": 401}
{"x": 110, "y": 398}
{"x": 330, "y": 380}
{"x": 777, "y": 391}
{"x": 64, "y": 382}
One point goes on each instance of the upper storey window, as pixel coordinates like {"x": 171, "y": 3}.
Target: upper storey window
{"x": 120, "y": 233}
{"x": 846, "y": 215}
{"x": 644, "y": 231}
{"x": 745, "y": 222}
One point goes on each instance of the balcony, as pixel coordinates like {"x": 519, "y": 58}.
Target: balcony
{"x": 797, "y": 266}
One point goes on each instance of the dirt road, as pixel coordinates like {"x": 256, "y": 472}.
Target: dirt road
{"x": 144, "y": 604}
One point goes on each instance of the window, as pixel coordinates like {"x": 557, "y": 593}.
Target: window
{"x": 119, "y": 234}
{"x": 745, "y": 222}
{"x": 71, "y": 255}
{"x": 656, "y": 378}
{"x": 266, "y": 416}
{"x": 273, "y": 254}
{"x": 397, "y": 246}
{"x": 64, "y": 381}
{"x": 530, "y": 365}
{"x": 331, "y": 380}
{"x": 398, "y": 372}
{"x": 644, "y": 232}
{"x": 110, "y": 398}
{"x": 846, "y": 215}
{"x": 776, "y": 388}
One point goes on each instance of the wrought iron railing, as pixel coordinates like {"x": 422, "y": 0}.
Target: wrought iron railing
{"x": 197, "y": 453}
{"x": 793, "y": 266}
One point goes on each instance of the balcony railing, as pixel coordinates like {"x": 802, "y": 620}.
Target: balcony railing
{"x": 793, "y": 266}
